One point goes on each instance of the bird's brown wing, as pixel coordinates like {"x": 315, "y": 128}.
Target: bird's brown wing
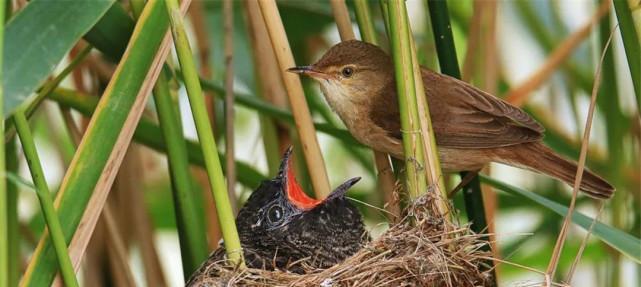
{"x": 463, "y": 116}
{"x": 466, "y": 117}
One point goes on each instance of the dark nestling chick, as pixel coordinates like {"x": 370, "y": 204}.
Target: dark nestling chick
{"x": 281, "y": 227}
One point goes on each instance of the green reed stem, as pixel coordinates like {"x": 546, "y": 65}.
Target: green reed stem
{"x": 12, "y": 213}
{"x": 205, "y": 135}
{"x": 364, "y": 20}
{"x": 191, "y": 234}
{"x": 44, "y": 195}
{"x": 446, "y": 51}
{"x": 4, "y": 228}
{"x": 412, "y": 142}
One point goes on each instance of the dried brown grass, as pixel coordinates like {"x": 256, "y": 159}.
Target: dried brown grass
{"x": 412, "y": 252}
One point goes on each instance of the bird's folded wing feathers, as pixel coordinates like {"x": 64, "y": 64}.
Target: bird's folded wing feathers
{"x": 466, "y": 117}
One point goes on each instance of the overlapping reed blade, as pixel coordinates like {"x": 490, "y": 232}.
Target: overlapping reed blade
{"x": 558, "y": 247}
{"x": 205, "y": 135}
{"x": 386, "y": 181}
{"x": 192, "y": 239}
{"x": 4, "y": 228}
{"x": 94, "y": 165}
{"x": 44, "y": 196}
{"x": 297, "y": 102}
{"x": 410, "y": 123}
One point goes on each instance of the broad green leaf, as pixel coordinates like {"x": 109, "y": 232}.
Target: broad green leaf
{"x": 38, "y": 38}
{"x": 617, "y": 239}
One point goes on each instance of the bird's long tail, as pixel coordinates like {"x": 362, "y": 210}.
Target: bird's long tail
{"x": 538, "y": 157}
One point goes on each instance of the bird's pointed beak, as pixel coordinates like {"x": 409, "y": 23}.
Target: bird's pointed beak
{"x": 342, "y": 189}
{"x": 293, "y": 191}
{"x": 308, "y": 71}
{"x": 300, "y": 69}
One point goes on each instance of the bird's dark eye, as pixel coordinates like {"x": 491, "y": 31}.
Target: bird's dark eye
{"x": 347, "y": 72}
{"x": 275, "y": 214}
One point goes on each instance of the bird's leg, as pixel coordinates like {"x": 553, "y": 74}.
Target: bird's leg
{"x": 464, "y": 181}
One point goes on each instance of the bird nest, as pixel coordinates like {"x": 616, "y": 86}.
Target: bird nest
{"x": 420, "y": 250}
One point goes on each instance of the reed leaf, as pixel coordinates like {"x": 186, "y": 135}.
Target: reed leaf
{"x": 631, "y": 43}
{"x": 615, "y": 238}
{"x": 28, "y": 60}
{"x": 101, "y": 136}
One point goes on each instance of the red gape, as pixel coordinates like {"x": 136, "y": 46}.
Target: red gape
{"x": 295, "y": 193}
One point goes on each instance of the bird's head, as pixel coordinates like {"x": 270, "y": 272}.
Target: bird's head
{"x": 280, "y": 220}
{"x": 350, "y": 71}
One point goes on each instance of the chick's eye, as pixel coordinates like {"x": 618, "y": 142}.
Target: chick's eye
{"x": 275, "y": 214}
{"x": 347, "y": 72}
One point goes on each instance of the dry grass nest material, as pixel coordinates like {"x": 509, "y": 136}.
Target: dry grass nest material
{"x": 417, "y": 251}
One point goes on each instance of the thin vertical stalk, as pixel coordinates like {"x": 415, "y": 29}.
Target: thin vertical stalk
{"x": 433, "y": 164}
{"x": 364, "y": 20}
{"x": 341, "y": 17}
{"x": 12, "y": 214}
{"x": 205, "y": 135}
{"x": 609, "y": 102}
{"x": 631, "y": 43}
{"x": 300, "y": 109}
{"x": 46, "y": 203}
{"x": 117, "y": 249}
{"x": 448, "y": 62}
{"x": 406, "y": 90}
{"x": 193, "y": 242}
{"x": 269, "y": 83}
{"x": 228, "y": 16}
{"x": 384, "y": 172}
{"x": 558, "y": 247}
{"x": 198, "y": 21}
{"x": 4, "y": 228}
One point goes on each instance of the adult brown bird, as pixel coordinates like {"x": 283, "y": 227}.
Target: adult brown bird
{"x": 472, "y": 127}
